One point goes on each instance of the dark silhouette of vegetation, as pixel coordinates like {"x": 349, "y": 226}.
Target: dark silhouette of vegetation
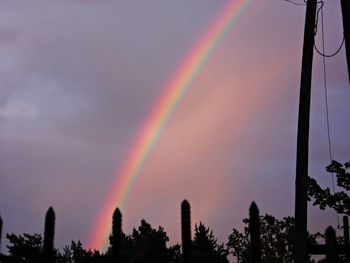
{"x": 149, "y": 244}
{"x": 75, "y": 253}
{"x": 48, "y": 246}
{"x": 254, "y": 229}
{"x": 264, "y": 239}
{"x": 205, "y": 247}
{"x": 23, "y": 248}
{"x": 339, "y": 201}
{"x": 277, "y": 240}
{"x": 277, "y": 236}
{"x": 146, "y": 244}
{"x": 331, "y": 239}
{"x": 116, "y": 235}
{"x": 186, "y": 230}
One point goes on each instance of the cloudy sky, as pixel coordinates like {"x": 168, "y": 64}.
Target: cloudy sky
{"x": 78, "y": 79}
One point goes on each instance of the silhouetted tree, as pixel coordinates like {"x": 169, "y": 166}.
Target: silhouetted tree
{"x": 175, "y": 255}
{"x": 28, "y": 249}
{"x": 205, "y": 247}
{"x": 149, "y": 244}
{"x": 254, "y": 231}
{"x": 24, "y": 248}
{"x": 339, "y": 201}
{"x": 146, "y": 244}
{"x": 116, "y": 238}
{"x": 186, "y": 230}
{"x": 75, "y": 253}
{"x": 277, "y": 240}
{"x": 48, "y": 246}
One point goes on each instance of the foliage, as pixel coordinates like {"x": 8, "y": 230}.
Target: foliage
{"x": 24, "y": 248}
{"x": 339, "y": 201}
{"x": 75, "y": 253}
{"x": 205, "y": 247}
{"x": 277, "y": 240}
{"x": 49, "y": 233}
{"x": 147, "y": 244}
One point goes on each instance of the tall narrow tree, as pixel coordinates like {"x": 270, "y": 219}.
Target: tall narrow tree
{"x": 254, "y": 230}
{"x": 48, "y": 246}
{"x": 186, "y": 231}
{"x": 116, "y": 235}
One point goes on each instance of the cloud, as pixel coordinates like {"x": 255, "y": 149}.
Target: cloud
{"x": 17, "y": 110}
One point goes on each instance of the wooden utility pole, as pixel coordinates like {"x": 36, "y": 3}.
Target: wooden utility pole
{"x": 300, "y": 253}
{"x": 345, "y": 8}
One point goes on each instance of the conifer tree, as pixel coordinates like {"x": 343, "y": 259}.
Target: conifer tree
{"x": 186, "y": 230}
{"x": 48, "y": 246}
{"x": 116, "y": 235}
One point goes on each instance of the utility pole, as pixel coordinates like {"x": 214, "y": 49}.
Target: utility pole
{"x": 300, "y": 246}
{"x": 345, "y": 8}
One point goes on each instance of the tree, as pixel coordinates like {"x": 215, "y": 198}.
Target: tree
{"x": 339, "y": 201}
{"x": 24, "y": 248}
{"x": 277, "y": 235}
{"x": 205, "y": 247}
{"x": 323, "y": 198}
{"x": 75, "y": 253}
{"x": 147, "y": 244}
{"x": 27, "y": 248}
{"x": 277, "y": 240}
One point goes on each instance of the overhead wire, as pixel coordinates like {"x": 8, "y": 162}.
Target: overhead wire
{"x": 294, "y": 3}
{"x": 320, "y": 10}
{"x": 323, "y": 54}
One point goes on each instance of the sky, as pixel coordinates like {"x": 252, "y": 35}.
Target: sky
{"x": 79, "y": 78}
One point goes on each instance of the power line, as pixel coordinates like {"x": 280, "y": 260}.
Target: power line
{"x": 326, "y": 95}
{"x": 330, "y": 55}
{"x": 325, "y": 89}
{"x": 294, "y": 3}
{"x": 297, "y": 3}
{"x": 323, "y": 53}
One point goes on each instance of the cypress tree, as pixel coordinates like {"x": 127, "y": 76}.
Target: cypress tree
{"x": 254, "y": 229}
{"x": 48, "y": 246}
{"x": 186, "y": 231}
{"x": 116, "y": 235}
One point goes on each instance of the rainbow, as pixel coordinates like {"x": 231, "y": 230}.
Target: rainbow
{"x": 158, "y": 118}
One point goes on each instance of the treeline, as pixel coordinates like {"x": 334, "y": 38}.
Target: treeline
{"x": 264, "y": 239}
{"x": 273, "y": 240}
{"x": 144, "y": 244}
